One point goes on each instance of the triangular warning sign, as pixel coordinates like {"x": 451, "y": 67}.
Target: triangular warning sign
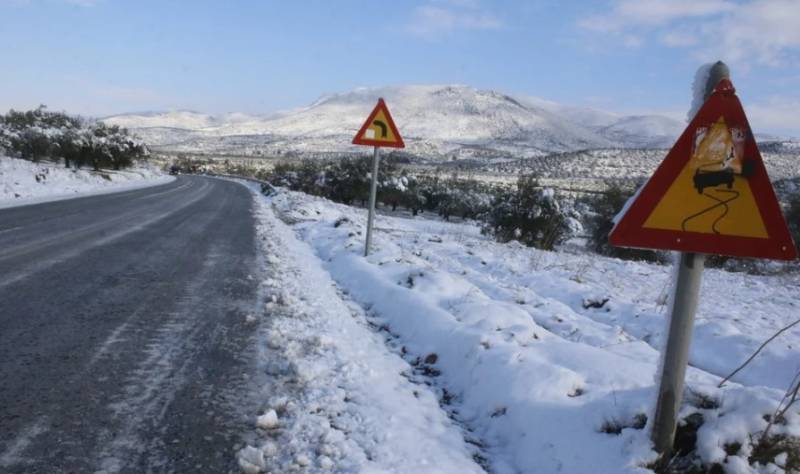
{"x": 711, "y": 194}
{"x": 379, "y": 129}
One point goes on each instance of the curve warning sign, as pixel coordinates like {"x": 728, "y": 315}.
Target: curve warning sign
{"x": 379, "y": 129}
{"x": 711, "y": 194}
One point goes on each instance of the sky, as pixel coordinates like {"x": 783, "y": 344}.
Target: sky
{"x": 104, "y": 57}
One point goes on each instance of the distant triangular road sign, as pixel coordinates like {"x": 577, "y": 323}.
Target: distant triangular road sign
{"x": 711, "y": 194}
{"x": 379, "y": 129}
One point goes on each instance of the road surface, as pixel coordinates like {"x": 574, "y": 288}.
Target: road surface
{"x": 125, "y": 344}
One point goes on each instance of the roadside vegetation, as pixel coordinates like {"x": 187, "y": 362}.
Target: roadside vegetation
{"x": 600, "y": 221}
{"x": 40, "y": 134}
{"x": 525, "y": 211}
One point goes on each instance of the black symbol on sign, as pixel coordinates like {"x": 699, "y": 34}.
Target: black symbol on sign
{"x": 720, "y": 203}
{"x": 708, "y": 179}
{"x": 711, "y": 179}
{"x": 384, "y": 128}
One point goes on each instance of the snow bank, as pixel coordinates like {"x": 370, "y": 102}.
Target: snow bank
{"x": 549, "y": 359}
{"x": 336, "y": 398}
{"x": 25, "y": 182}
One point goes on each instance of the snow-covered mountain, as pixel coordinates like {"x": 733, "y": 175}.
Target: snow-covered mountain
{"x": 588, "y": 117}
{"x": 436, "y": 122}
{"x": 628, "y": 131}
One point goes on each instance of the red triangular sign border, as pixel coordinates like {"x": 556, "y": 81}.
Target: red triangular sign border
{"x": 361, "y": 139}
{"x": 630, "y": 230}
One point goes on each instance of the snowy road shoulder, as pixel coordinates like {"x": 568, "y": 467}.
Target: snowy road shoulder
{"x": 338, "y": 398}
{"x": 24, "y": 182}
{"x": 544, "y": 374}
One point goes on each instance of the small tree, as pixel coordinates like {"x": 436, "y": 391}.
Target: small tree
{"x": 282, "y": 174}
{"x": 466, "y": 198}
{"x": 124, "y": 149}
{"x": 393, "y": 191}
{"x": 68, "y": 146}
{"x": 605, "y": 207}
{"x": 412, "y": 198}
{"x": 32, "y": 144}
{"x": 110, "y": 147}
{"x": 527, "y": 213}
{"x": 5, "y": 138}
{"x": 432, "y": 191}
{"x": 310, "y": 177}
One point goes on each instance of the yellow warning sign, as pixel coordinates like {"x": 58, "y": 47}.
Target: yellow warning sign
{"x": 379, "y": 129}
{"x": 712, "y": 194}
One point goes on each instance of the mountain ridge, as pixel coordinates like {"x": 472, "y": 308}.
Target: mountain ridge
{"x": 436, "y": 121}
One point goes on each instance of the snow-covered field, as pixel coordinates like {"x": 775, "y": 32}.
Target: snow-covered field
{"x": 447, "y": 352}
{"x": 24, "y": 182}
{"x": 616, "y": 164}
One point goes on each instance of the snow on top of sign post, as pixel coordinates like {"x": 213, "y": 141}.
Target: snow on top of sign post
{"x": 699, "y": 89}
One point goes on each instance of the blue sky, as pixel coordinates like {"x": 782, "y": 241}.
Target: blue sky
{"x": 100, "y": 57}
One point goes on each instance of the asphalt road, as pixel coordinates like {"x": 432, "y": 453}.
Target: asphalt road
{"x": 124, "y": 339}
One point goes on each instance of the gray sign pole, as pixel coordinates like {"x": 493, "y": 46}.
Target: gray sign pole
{"x": 373, "y": 190}
{"x": 676, "y": 356}
{"x": 684, "y": 304}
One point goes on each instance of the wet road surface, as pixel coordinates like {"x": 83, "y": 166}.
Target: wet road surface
{"x": 124, "y": 339}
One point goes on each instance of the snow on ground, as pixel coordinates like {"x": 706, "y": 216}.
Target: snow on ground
{"x": 25, "y": 182}
{"x": 338, "y": 400}
{"x": 534, "y": 354}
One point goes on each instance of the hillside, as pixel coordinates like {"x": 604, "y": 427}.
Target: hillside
{"x": 644, "y": 131}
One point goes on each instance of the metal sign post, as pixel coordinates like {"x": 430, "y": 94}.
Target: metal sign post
{"x": 373, "y": 190}
{"x": 686, "y": 293}
{"x": 676, "y": 355}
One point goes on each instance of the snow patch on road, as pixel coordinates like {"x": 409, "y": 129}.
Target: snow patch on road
{"x": 13, "y": 453}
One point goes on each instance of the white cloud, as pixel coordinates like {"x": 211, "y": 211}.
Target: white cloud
{"x": 662, "y": 11}
{"x": 776, "y": 113}
{"x": 765, "y": 29}
{"x": 441, "y": 17}
{"x": 653, "y": 12}
{"x": 745, "y": 32}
